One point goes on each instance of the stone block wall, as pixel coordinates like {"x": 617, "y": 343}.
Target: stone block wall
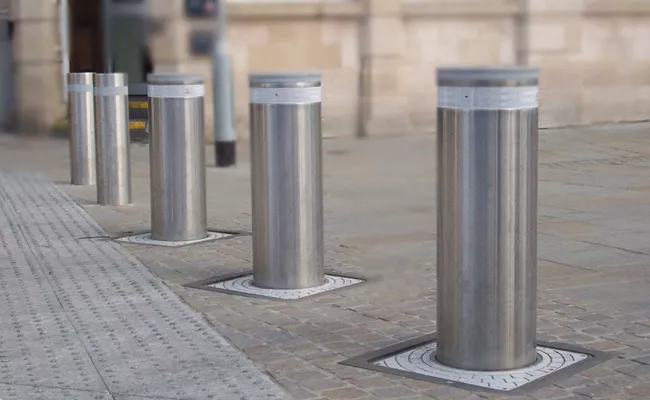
{"x": 37, "y": 58}
{"x": 268, "y": 37}
{"x": 378, "y": 57}
{"x": 594, "y": 58}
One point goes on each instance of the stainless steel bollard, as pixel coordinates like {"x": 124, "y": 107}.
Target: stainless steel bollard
{"x": 287, "y": 193}
{"x": 487, "y": 217}
{"x": 177, "y": 157}
{"x": 112, "y": 138}
{"x": 82, "y": 129}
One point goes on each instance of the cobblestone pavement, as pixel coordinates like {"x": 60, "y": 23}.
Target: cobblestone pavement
{"x": 82, "y": 319}
{"x": 594, "y": 266}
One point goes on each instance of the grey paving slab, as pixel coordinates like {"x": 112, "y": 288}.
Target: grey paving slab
{"x": 115, "y": 325}
{"x": 38, "y": 344}
{"x": 380, "y": 222}
{"x": 20, "y": 392}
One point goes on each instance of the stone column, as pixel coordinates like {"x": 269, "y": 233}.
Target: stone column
{"x": 383, "y": 103}
{"x": 38, "y": 79}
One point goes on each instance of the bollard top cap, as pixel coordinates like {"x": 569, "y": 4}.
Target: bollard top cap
{"x": 85, "y": 78}
{"x": 286, "y": 80}
{"x": 114, "y": 79}
{"x": 488, "y": 76}
{"x": 174, "y": 79}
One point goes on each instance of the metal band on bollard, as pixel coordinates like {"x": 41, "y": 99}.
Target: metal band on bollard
{"x": 177, "y": 157}
{"x": 287, "y": 193}
{"x": 112, "y": 130}
{"x": 82, "y": 129}
{"x": 487, "y": 217}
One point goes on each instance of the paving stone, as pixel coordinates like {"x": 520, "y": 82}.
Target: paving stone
{"x": 549, "y": 393}
{"x": 372, "y": 382}
{"x": 639, "y": 330}
{"x": 103, "y": 305}
{"x": 639, "y": 389}
{"x": 636, "y": 370}
{"x": 345, "y": 393}
{"x": 323, "y": 384}
{"x": 394, "y": 392}
{"x": 596, "y": 391}
{"x": 295, "y": 390}
{"x": 643, "y": 360}
{"x": 575, "y": 338}
{"x": 446, "y": 392}
{"x": 13, "y": 392}
{"x": 574, "y": 382}
{"x": 380, "y": 222}
{"x": 593, "y": 317}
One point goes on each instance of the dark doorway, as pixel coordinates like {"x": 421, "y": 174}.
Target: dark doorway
{"x": 86, "y": 52}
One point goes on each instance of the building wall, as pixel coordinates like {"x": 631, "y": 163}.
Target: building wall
{"x": 378, "y": 57}
{"x": 38, "y": 77}
{"x": 273, "y": 38}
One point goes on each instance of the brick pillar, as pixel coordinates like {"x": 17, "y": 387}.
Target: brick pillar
{"x": 384, "y": 107}
{"x": 38, "y": 80}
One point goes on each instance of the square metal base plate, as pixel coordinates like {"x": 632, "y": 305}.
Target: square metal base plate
{"x": 415, "y": 359}
{"x": 243, "y": 285}
{"x": 145, "y": 238}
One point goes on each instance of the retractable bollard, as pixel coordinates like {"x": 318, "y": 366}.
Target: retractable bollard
{"x": 82, "y": 129}
{"x": 112, "y": 139}
{"x": 287, "y": 194}
{"x": 177, "y": 157}
{"x": 487, "y": 217}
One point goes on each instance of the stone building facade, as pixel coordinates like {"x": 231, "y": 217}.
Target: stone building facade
{"x": 378, "y": 57}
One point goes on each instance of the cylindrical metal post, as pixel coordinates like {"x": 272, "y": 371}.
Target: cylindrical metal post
{"x": 82, "y": 129}
{"x": 177, "y": 157}
{"x": 112, "y": 139}
{"x": 222, "y": 92}
{"x": 487, "y": 217}
{"x": 287, "y": 193}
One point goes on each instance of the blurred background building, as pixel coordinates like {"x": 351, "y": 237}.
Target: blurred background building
{"x": 378, "y": 57}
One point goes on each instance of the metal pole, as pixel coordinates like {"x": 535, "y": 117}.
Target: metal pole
{"x": 107, "y": 42}
{"x": 222, "y": 93}
{"x": 177, "y": 157}
{"x": 287, "y": 193}
{"x": 487, "y": 217}
{"x": 522, "y": 34}
{"x": 64, "y": 38}
{"x": 112, "y": 135}
{"x": 82, "y": 128}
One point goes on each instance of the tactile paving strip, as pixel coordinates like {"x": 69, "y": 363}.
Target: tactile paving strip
{"x": 47, "y": 393}
{"x": 244, "y": 285}
{"x": 421, "y": 360}
{"x": 87, "y": 315}
{"x": 145, "y": 238}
